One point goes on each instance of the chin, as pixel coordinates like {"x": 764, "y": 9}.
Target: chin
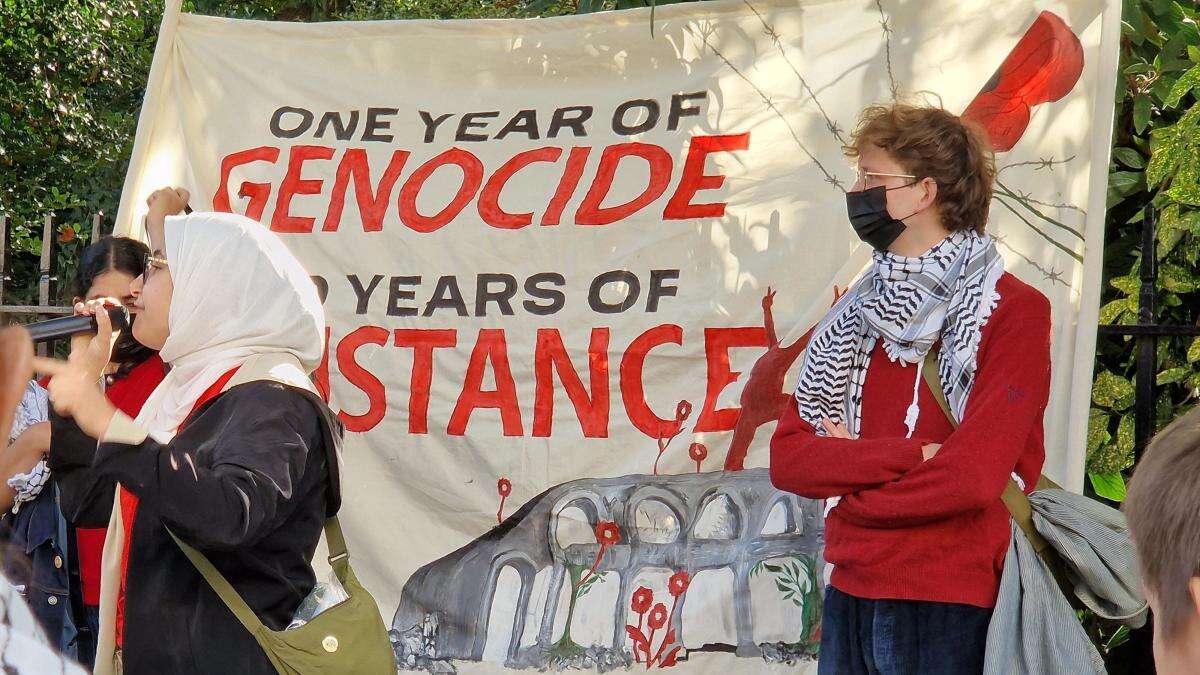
{"x": 150, "y": 341}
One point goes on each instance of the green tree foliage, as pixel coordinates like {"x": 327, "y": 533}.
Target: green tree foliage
{"x": 1156, "y": 160}
{"x": 70, "y": 86}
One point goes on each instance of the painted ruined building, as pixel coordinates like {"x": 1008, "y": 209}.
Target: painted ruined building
{"x": 506, "y": 597}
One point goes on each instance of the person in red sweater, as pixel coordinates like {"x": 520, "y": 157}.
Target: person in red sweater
{"x": 106, "y": 269}
{"x": 915, "y": 530}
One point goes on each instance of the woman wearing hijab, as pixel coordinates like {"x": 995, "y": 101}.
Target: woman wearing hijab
{"x": 231, "y": 451}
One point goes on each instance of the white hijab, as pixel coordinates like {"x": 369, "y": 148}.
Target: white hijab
{"x": 239, "y": 292}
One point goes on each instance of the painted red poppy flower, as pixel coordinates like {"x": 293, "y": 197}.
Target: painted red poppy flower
{"x": 658, "y": 617}
{"x": 698, "y": 452}
{"x": 504, "y": 487}
{"x": 683, "y": 410}
{"x": 678, "y": 584}
{"x": 642, "y": 598}
{"x": 607, "y": 532}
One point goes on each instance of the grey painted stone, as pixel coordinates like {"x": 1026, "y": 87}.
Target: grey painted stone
{"x": 450, "y": 599}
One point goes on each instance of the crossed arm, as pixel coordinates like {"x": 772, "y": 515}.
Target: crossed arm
{"x": 887, "y": 483}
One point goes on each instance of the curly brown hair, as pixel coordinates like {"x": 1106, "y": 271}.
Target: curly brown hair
{"x": 930, "y": 142}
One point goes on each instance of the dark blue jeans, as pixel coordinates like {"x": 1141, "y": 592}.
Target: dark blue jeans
{"x": 897, "y": 637}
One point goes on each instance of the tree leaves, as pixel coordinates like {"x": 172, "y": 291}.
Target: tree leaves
{"x": 1158, "y": 114}
{"x": 1172, "y": 145}
{"x": 1111, "y": 486}
{"x": 1130, "y": 158}
{"x": 1097, "y": 434}
{"x": 1112, "y": 391}
{"x": 1185, "y": 84}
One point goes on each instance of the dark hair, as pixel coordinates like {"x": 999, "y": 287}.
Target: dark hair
{"x": 120, "y": 254}
{"x": 109, "y": 253}
{"x": 1163, "y": 512}
{"x": 932, "y": 143}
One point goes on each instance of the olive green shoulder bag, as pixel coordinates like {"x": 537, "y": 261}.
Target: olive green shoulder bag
{"x": 348, "y": 638}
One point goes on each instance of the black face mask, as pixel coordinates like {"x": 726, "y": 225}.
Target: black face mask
{"x": 869, "y": 216}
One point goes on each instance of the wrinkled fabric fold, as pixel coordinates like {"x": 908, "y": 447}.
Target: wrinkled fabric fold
{"x": 1034, "y": 628}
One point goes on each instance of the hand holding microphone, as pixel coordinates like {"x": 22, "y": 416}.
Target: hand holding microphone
{"x": 95, "y": 347}
{"x": 73, "y": 387}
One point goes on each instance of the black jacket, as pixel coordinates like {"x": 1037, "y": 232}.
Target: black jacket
{"x": 246, "y": 483}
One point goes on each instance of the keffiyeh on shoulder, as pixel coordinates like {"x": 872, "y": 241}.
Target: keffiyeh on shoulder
{"x": 34, "y": 408}
{"x": 947, "y": 294}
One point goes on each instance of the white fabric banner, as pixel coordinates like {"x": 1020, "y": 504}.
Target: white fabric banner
{"x": 567, "y": 267}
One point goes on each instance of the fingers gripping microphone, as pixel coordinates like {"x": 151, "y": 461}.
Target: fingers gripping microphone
{"x": 57, "y": 329}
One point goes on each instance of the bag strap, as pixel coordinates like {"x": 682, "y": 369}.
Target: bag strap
{"x": 339, "y": 559}
{"x": 1013, "y": 497}
{"x": 929, "y": 370}
{"x": 232, "y": 599}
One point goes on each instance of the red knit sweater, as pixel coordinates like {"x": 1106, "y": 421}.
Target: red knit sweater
{"x": 935, "y": 530}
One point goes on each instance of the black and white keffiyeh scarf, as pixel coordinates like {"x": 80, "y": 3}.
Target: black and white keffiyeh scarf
{"x": 33, "y": 409}
{"x": 910, "y": 303}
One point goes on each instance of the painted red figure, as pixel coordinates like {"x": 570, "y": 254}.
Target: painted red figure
{"x": 698, "y": 452}
{"x": 642, "y": 598}
{"x": 678, "y": 584}
{"x": 1043, "y": 67}
{"x": 504, "y": 487}
{"x": 763, "y": 398}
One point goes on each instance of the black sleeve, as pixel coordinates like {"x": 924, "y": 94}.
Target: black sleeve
{"x": 84, "y": 494}
{"x": 222, "y": 482}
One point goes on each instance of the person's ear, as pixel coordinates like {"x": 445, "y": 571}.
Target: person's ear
{"x": 930, "y": 187}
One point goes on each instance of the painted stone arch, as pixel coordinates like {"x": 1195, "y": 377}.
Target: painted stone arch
{"x": 721, "y": 515}
{"x": 573, "y": 520}
{"x": 504, "y": 607}
{"x": 782, "y": 517}
{"x": 656, "y": 516}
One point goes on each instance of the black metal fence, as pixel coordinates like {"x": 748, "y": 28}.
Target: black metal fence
{"x": 1145, "y": 334}
{"x": 46, "y": 275}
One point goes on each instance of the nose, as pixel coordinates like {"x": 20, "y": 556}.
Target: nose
{"x": 860, "y": 181}
{"x": 135, "y": 287}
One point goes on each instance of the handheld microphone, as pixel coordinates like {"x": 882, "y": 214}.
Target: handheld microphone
{"x": 57, "y": 329}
